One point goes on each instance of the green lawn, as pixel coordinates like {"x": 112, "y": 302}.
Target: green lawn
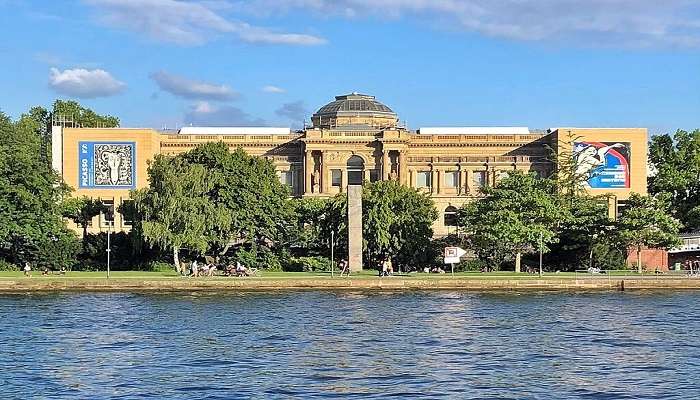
{"x": 143, "y": 275}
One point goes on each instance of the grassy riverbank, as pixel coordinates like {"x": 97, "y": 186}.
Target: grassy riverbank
{"x": 170, "y": 281}
{"x": 147, "y": 275}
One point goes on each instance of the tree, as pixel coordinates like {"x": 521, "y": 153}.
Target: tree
{"x": 512, "y": 218}
{"x": 210, "y": 199}
{"x": 175, "y": 211}
{"x": 82, "y": 210}
{"x": 396, "y": 223}
{"x": 40, "y": 120}
{"x": 676, "y": 164}
{"x": 31, "y": 226}
{"x": 585, "y": 222}
{"x": 82, "y": 116}
{"x": 646, "y": 222}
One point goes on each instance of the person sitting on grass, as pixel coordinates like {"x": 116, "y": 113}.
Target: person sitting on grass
{"x": 241, "y": 270}
{"x": 205, "y": 269}
{"x": 212, "y": 270}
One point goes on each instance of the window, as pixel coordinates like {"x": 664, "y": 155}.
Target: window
{"x": 127, "y": 212}
{"x": 450, "y": 216}
{"x": 480, "y": 178}
{"x": 287, "y": 178}
{"x": 451, "y": 179}
{"x": 373, "y": 175}
{"x": 336, "y": 177}
{"x": 423, "y": 179}
{"x": 107, "y": 217}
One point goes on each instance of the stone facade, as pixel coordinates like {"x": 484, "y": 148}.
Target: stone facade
{"x": 354, "y": 139}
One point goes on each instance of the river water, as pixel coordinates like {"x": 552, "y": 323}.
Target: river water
{"x": 451, "y": 345}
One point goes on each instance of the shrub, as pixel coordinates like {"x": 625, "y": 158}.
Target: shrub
{"x": 307, "y": 264}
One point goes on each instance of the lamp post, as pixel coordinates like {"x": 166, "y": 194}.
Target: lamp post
{"x": 109, "y": 216}
{"x": 540, "y": 254}
{"x": 332, "y": 258}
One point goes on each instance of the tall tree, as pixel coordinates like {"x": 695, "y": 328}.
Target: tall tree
{"x": 30, "y": 192}
{"x": 396, "y": 223}
{"x": 676, "y": 165}
{"x": 210, "y": 199}
{"x": 646, "y": 222}
{"x": 585, "y": 222}
{"x": 512, "y": 218}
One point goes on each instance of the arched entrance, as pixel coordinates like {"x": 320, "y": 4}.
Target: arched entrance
{"x": 356, "y": 170}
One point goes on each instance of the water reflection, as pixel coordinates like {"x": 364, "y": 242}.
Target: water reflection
{"x": 349, "y": 345}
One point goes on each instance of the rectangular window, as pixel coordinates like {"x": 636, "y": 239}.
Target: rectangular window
{"x": 480, "y": 178}
{"x": 127, "y": 212}
{"x": 287, "y": 178}
{"x": 336, "y": 178}
{"x": 423, "y": 179}
{"x": 451, "y": 179}
{"x": 107, "y": 217}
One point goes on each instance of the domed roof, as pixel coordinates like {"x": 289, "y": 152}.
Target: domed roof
{"x": 354, "y": 103}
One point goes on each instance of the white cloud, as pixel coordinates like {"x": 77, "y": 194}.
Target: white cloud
{"x": 188, "y": 23}
{"x": 592, "y": 22}
{"x": 84, "y": 83}
{"x": 273, "y": 89}
{"x": 205, "y": 114}
{"x": 192, "y": 89}
{"x": 253, "y": 34}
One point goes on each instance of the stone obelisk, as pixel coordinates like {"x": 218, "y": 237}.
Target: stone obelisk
{"x": 355, "y": 227}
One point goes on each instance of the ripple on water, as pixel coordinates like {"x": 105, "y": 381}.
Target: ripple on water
{"x": 350, "y": 345}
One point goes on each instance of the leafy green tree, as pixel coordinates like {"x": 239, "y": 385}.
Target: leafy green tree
{"x": 676, "y": 164}
{"x": 210, "y": 199}
{"x": 396, "y": 223}
{"x": 585, "y": 223}
{"x": 175, "y": 211}
{"x": 646, "y": 222}
{"x": 82, "y": 210}
{"x": 82, "y": 116}
{"x": 31, "y": 226}
{"x": 512, "y": 218}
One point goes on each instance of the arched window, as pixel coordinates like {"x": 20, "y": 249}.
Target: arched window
{"x": 356, "y": 168}
{"x": 451, "y": 216}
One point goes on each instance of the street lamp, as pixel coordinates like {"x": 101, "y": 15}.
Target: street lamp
{"x": 109, "y": 217}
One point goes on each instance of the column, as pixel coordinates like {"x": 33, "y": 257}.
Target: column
{"x": 440, "y": 178}
{"x": 308, "y": 169}
{"x": 468, "y": 180}
{"x": 385, "y": 165}
{"x": 366, "y": 175}
{"x": 344, "y": 182}
{"x": 462, "y": 180}
{"x": 433, "y": 180}
{"x": 403, "y": 171}
{"x": 325, "y": 177}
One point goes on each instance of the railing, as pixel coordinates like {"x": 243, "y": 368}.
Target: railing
{"x": 623, "y": 273}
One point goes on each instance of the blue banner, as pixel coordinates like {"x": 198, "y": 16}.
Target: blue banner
{"x": 106, "y": 165}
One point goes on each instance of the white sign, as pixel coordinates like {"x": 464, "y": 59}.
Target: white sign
{"x": 453, "y": 254}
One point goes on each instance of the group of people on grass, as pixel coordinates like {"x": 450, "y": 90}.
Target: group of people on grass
{"x": 198, "y": 269}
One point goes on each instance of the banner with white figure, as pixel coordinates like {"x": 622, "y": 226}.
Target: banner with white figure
{"x": 106, "y": 165}
{"x": 606, "y": 165}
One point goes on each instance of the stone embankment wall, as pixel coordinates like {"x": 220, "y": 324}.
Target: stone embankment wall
{"x": 243, "y": 284}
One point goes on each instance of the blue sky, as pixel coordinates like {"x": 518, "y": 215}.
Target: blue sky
{"x": 541, "y": 64}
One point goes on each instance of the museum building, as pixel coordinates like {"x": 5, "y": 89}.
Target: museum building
{"x": 352, "y": 139}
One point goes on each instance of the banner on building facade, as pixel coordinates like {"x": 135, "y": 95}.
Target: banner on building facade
{"x": 606, "y": 164}
{"x": 106, "y": 165}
